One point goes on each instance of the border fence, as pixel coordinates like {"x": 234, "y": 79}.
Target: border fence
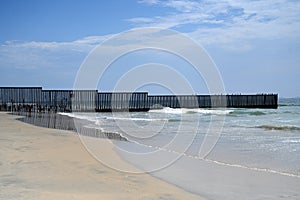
{"x": 35, "y": 99}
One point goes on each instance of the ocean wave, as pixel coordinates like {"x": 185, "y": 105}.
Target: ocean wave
{"x": 91, "y": 118}
{"x": 144, "y": 119}
{"x": 66, "y": 114}
{"x": 168, "y": 110}
{"x": 96, "y": 127}
{"x": 135, "y": 119}
{"x": 279, "y": 128}
{"x": 268, "y": 170}
{"x": 222, "y": 163}
{"x": 241, "y": 112}
{"x": 291, "y": 141}
{"x": 214, "y": 112}
{"x": 283, "y": 105}
{"x": 100, "y": 133}
{"x": 174, "y": 120}
{"x": 288, "y": 105}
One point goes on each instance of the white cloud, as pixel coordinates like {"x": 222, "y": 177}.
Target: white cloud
{"x": 141, "y": 20}
{"x": 224, "y": 22}
{"x": 150, "y": 2}
{"x": 183, "y": 6}
{"x": 34, "y": 54}
{"x": 80, "y": 45}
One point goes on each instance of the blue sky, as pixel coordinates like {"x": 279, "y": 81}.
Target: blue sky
{"x": 255, "y": 44}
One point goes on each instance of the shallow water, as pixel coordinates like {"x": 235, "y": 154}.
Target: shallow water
{"x": 261, "y": 146}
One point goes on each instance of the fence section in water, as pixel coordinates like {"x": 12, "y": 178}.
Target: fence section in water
{"x": 252, "y": 101}
{"x": 173, "y": 101}
{"x": 62, "y": 122}
{"x": 213, "y": 101}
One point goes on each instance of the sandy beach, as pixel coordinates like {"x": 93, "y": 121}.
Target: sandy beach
{"x": 41, "y": 163}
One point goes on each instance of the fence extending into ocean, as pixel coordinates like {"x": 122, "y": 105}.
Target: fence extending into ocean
{"x": 64, "y": 122}
{"x": 35, "y": 99}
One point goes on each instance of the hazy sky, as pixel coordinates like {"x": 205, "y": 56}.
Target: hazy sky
{"x": 255, "y": 44}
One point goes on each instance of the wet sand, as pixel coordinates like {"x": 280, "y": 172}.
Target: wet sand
{"x": 42, "y": 163}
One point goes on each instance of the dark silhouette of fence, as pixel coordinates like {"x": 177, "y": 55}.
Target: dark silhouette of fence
{"x": 36, "y": 99}
{"x": 122, "y": 101}
{"x": 214, "y": 101}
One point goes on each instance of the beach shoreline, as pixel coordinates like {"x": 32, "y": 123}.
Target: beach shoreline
{"x": 43, "y": 163}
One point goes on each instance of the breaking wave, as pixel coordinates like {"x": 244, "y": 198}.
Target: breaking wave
{"x": 279, "y": 128}
{"x": 168, "y": 110}
{"x": 91, "y": 118}
{"x": 255, "y": 113}
{"x": 135, "y": 119}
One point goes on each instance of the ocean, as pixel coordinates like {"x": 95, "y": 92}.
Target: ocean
{"x": 232, "y": 153}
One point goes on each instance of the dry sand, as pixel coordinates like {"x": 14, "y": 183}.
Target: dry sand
{"x": 41, "y": 163}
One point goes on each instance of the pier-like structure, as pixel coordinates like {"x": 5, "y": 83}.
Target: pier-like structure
{"x": 35, "y": 99}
